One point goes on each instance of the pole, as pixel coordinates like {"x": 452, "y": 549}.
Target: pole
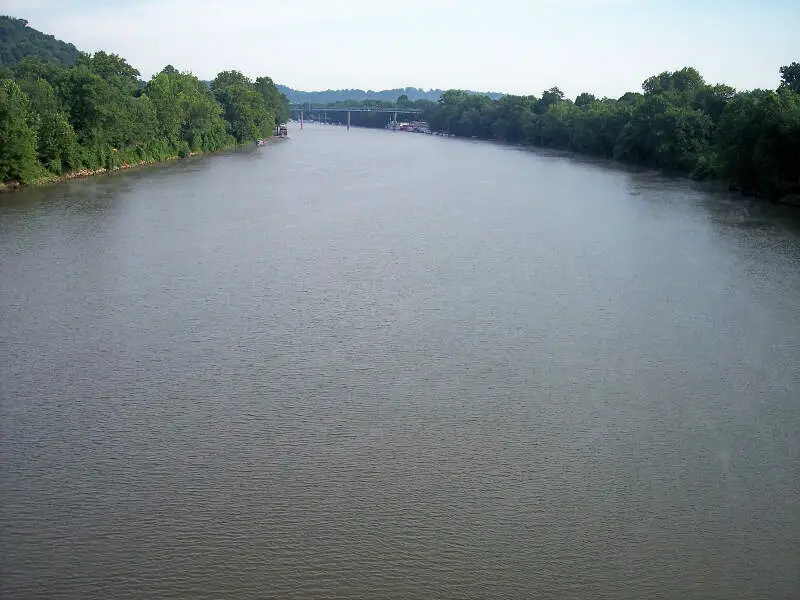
{"x": 348, "y": 120}
{"x": 301, "y": 119}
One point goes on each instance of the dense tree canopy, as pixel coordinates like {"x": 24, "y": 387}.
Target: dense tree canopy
{"x": 17, "y": 138}
{"x": 96, "y": 113}
{"x": 680, "y": 123}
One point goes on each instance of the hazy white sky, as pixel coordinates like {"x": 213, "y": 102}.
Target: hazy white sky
{"x": 606, "y": 47}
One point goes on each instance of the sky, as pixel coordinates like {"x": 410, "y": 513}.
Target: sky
{"x": 606, "y": 47}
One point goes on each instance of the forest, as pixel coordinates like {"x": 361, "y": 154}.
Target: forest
{"x": 678, "y": 123}
{"x": 59, "y": 116}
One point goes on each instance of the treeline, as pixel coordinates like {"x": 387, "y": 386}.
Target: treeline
{"x": 97, "y": 114}
{"x": 679, "y": 123}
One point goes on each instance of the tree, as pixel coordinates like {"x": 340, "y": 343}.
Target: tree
{"x": 713, "y": 99}
{"x": 549, "y": 97}
{"x": 56, "y": 142}
{"x": 245, "y": 112}
{"x": 740, "y": 129}
{"x": 276, "y": 102}
{"x": 186, "y": 112}
{"x": 790, "y": 77}
{"x": 96, "y": 113}
{"x": 113, "y": 69}
{"x": 759, "y": 141}
{"x": 57, "y": 147}
{"x": 164, "y": 91}
{"x": 18, "y": 161}
{"x": 33, "y": 67}
{"x": 229, "y": 78}
{"x": 91, "y": 105}
{"x": 685, "y": 80}
{"x": 584, "y": 99}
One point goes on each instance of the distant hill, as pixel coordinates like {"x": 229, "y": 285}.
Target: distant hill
{"x": 299, "y": 97}
{"x": 17, "y": 41}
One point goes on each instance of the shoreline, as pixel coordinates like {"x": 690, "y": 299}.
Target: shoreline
{"x": 8, "y": 187}
{"x": 15, "y": 186}
{"x": 789, "y": 198}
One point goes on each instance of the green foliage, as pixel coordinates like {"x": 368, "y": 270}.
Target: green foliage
{"x": 759, "y": 141}
{"x": 790, "y": 77}
{"x": 112, "y": 69}
{"x": 95, "y": 113}
{"x": 686, "y": 81}
{"x": 186, "y": 112}
{"x": 17, "y": 139}
{"x": 32, "y": 68}
{"x": 275, "y": 102}
{"x": 17, "y": 41}
{"x": 680, "y": 123}
{"x": 57, "y": 147}
{"x": 248, "y": 106}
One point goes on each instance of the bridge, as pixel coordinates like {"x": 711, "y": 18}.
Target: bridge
{"x": 308, "y": 107}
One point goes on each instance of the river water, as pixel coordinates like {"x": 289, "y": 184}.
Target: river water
{"x": 385, "y": 365}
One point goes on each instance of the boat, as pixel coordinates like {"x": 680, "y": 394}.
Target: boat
{"x": 260, "y": 142}
{"x": 419, "y": 127}
{"x": 414, "y": 126}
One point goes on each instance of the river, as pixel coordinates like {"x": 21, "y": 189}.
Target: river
{"x": 374, "y": 365}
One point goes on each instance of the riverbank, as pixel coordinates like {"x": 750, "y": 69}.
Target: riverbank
{"x": 789, "y": 196}
{"x": 12, "y": 186}
{"x": 50, "y": 179}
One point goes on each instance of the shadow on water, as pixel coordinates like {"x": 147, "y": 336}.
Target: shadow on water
{"x": 100, "y": 192}
{"x": 724, "y": 207}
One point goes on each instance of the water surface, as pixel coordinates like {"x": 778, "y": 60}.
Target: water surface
{"x": 383, "y": 365}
